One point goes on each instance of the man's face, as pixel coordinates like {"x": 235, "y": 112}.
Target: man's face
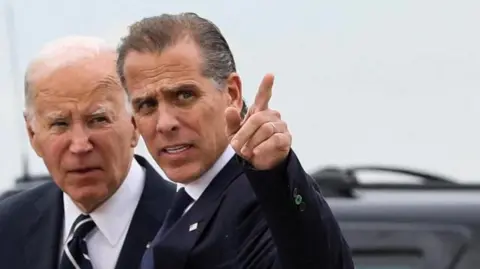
{"x": 178, "y": 111}
{"x": 82, "y": 130}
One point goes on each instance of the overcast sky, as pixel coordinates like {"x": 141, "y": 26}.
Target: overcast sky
{"x": 359, "y": 82}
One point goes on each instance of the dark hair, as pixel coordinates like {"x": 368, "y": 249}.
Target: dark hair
{"x": 154, "y": 34}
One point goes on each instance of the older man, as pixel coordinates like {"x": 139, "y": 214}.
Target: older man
{"x": 104, "y": 205}
{"x": 244, "y": 200}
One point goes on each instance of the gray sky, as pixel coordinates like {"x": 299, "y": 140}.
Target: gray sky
{"x": 359, "y": 82}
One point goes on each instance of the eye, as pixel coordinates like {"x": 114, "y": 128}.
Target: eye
{"x": 146, "y": 105}
{"x": 99, "y": 119}
{"x": 59, "y": 123}
{"x": 185, "y": 95}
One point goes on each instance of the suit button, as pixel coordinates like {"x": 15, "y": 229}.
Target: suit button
{"x": 298, "y": 199}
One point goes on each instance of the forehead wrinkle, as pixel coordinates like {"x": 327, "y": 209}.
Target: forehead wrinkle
{"x": 179, "y": 84}
{"x": 155, "y": 71}
{"x": 164, "y": 72}
{"x": 101, "y": 108}
{"x": 108, "y": 82}
{"x": 43, "y": 92}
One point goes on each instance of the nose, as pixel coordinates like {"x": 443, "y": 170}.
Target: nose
{"x": 80, "y": 142}
{"x": 166, "y": 122}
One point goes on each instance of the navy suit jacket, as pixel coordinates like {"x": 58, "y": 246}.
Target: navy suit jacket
{"x": 31, "y": 224}
{"x": 256, "y": 219}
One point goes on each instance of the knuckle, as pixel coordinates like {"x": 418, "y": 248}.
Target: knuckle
{"x": 289, "y": 139}
{"x": 256, "y": 118}
{"x": 282, "y": 126}
{"x": 267, "y": 128}
{"x": 259, "y": 118}
{"x": 275, "y": 114}
{"x": 277, "y": 138}
{"x": 278, "y": 114}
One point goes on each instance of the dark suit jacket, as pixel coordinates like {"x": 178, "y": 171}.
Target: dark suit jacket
{"x": 31, "y": 224}
{"x": 256, "y": 219}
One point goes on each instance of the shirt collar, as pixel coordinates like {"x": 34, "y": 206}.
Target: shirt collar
{"x": 197, "y": 187}
{"x": 113, "y": 217}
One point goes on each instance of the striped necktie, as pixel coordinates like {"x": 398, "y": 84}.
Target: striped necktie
{"x": 75, "y": 253}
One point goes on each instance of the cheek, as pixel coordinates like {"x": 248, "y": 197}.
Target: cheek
{"x": 207, "y": 121}
{"x": 112, "y": 141}
{"x": 146, "y": 126}
{"x": 193, "y": 122}
{"x": 53, "y": 150}
{"x": 213, "y": 116}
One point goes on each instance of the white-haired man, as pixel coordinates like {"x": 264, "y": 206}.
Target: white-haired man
{"x": 105, "y": 203}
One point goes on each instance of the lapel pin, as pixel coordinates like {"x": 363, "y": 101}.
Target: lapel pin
{"x": 148, "y": 245}
{"x": 193, "y": 227}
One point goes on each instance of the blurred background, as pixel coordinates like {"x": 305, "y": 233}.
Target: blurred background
{"x": 359, "y": 82}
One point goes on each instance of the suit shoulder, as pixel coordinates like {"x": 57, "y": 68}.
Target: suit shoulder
{"x": 240, "y": 198}
{"x": 17, "y": 203}
{"x": 240, "y": 188}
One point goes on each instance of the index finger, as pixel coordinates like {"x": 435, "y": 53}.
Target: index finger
{"x": 264, "y": 93}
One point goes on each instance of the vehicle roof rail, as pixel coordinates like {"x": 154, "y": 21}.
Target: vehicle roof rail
{"x": 335, "y": 181}
{"x": 341, "y": 182}
{"x": 427, "y": 178}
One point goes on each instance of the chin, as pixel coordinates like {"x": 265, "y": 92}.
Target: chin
{"x": 185, "y": 173}
{"x": 89, "y": 197}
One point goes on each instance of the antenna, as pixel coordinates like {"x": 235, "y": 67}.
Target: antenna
{"x": 10, "y": 24}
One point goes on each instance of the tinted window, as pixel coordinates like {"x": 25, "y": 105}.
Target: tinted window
{"x": 380, "y": 245}
{"x": 388, "y": 259}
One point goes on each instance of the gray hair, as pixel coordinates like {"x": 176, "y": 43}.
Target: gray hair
{"x": 154, "y": 34}
{"x": 60, "y": 53}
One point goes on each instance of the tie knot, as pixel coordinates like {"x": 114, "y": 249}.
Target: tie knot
{"x": 181, "y": 200}
{"x": 82, "y": 226}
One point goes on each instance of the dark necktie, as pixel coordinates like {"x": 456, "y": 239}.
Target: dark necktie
{"x": 75, "y": 254}
{"x": 181, "y": 201}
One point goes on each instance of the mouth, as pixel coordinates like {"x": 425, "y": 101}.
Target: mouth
{"x": 176, "y": 149}
{"x": 84, "y": 170}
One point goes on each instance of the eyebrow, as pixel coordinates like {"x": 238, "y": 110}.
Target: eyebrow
{"x": 59, "y": 114}
{"x": 101, "y": 110}
{"x": 182, "y": 86}
{"x": 55, "y": 115}
{"x": 138, "y": 98}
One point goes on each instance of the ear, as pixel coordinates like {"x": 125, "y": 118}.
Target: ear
{"x": 135, "y": 134}
{"x": 32, "y": 136}
{"x": 234, "y": 89}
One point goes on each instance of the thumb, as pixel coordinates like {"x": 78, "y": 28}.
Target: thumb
{"x": 234, "y": 120}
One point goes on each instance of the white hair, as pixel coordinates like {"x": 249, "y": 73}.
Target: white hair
{"x": 60, "y": 53}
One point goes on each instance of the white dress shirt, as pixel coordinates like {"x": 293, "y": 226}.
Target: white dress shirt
{"x": 112, "y": 219}
{"x": 197, "y": 187}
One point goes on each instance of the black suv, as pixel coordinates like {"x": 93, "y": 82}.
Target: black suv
{"x": 433, "y": 223}
{"x": 25, "y": 182}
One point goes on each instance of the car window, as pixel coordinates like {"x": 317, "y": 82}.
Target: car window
{"x": 380, "y": 245}
{"x": 387, "y": 261}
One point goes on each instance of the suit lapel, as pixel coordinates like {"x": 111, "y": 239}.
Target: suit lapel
{"x": 148, "y": 217}
{"x": 42, "y": 241}
{"x": 173, "y": 249}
